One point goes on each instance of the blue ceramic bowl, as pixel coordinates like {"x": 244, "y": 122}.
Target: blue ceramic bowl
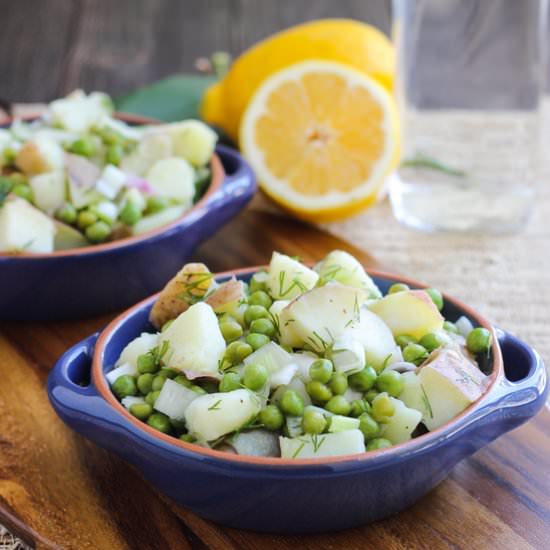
{"x": 89, "y": 281}
{"x": 281, "y": 495}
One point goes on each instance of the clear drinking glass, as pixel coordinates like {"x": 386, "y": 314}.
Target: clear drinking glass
{"x": 469, "y": 84}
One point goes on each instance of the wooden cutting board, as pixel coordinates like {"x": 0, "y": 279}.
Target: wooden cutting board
{"x": 57, "y": 490}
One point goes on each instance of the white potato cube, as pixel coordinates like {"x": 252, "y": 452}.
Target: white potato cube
{"x": 288, "y": 278}
{"x": 215, "y": 414}
{"x": 39, "y": 156}
{"x": 48, "y": 190}
{"x": 343, "y": 267}
{"x": 111, "y": 181}
{"x": 193, "y": 140}
{"x": 348, "y": 354}
{"x": 145, "y": 342}
{"x": 451, "y": 383}
{"x": 78, "y": 112}
{"x": 320, "y": 316}
{"x": 154, "y": 221}
{"x": 401, "y": 424}
{"x": 347, "y": 442}
{"x": 196, "y": 344}
{"x": 24, "y": 228}
{"x": 173, "y": 178}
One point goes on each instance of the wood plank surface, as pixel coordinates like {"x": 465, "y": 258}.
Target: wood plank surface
{"x": 59, "y": 491}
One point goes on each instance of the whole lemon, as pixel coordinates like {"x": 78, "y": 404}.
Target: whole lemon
{"x": 346, "y": 41}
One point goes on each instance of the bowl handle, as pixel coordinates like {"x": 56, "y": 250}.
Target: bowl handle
{"x": 76, "y": 400}
{"x": 522, "y": 392}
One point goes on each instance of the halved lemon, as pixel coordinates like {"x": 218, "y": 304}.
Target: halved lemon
{"x": 322, "y": 137}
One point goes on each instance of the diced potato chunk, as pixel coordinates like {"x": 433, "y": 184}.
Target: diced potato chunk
{"x": 24, "y": 228}
{"x": 451, "y": 383}
{"x": 173, "y": 177}
{"x": 48, "y": 190}
{"x": 139, "y": 346}
{"x": 39, "y": 156}
{"x": 196, "y": 344}
{"x": 402, "y": 423}
{"x": 227, "y": 297}
{"x": 189, "y": 285}
{"x": 377, "y": 339}
{"x": 409, "y": 312}
{"x": 213, "y": 415}
{"x": 343, "y": 267}
{"x": 347, "y": 442}
{"x": 321, "y": 315}
{"x": 288, "y": 278}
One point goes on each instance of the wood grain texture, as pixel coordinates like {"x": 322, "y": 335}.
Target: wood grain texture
{"x": 51, "y": 47}
{"x": 58, "y": 490}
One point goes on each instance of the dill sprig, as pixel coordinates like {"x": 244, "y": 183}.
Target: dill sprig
{"x": 194, "y": 291}
{"x": 215, "y": 406}
{"x": 426, "y": 401}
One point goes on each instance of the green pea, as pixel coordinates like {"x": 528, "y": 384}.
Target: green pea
{"x": 182, "y": 380}
{"x": 314, "y": 422}
{"x": 156, "y": 203}
{"x": 450, "y": 327}
{"x": 321, "y": 370}
{"x": 338, "y": 383}
{"x": 158, "y": 382}
{"x": 254, "y": 376}
{"x": 84, "y": 147}
{"x": 272, "y": 418}
{"x": 151, "y": 397}
{"x": 390, "y": 381}
{"x": 370, "y": 395}
{"x": 257, "y": 340}
{"x": 237, "y": 351}
{"x": 363, "y": 380}
{"x": 338, "y": 404}
{"x": 431, "y": 341}
{"x": 114, "y": 154}
{"x": 160, "y": 422}
{"x": 197, "y": 389}
{"x": 231, "y": 331}
{"x": 378, "y": 443}
{"x": 168, "y": 372}
{"x": 368, "y": 426}
{"x": 188, "y": 438}
{"x": 292, "y": 403}
{"x": 231, "y": 381}
{"x": 382, "y": 408}
{"x": 319, "y": 392}
{"x": 85, "y": 219}
{"x": 130, "y": 213}
{"x": 258, "y": 281}
{"x": 358, "y": 407}
{"x": 23, "y": 190}
{"x": 403, "y": 340}
{"x": 479, "y": 340}
{"x": 141, "y": 410}
{"x": 397, "y": 287}
{"x": 124, "y": 386}
{"x": 66, "y": 213}
{"x": 255, "y": 312}
{"x": 436, "y": 297}
{"x": 262, "y": 326}
{"x": 146, "y": 363}
{"x": 260, "y": 298}
{"x": 145, "y": 383}
{"x": 98, "y": 232}
{"x": 414, "y": 353}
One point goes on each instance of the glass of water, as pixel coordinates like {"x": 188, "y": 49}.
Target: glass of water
{"x": 469, "y": 85}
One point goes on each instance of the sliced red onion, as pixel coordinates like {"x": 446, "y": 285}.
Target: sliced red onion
{"x": 140, "y": 184}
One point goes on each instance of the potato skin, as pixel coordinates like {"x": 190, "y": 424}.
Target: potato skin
{"x": 30, "y": 161}
{"x": 227, "y": 293}
{"x": 188, "y": 286}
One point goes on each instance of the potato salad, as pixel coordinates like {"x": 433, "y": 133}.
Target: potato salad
{"x": 299, "y": 362}
{"x": 77, "y": 176}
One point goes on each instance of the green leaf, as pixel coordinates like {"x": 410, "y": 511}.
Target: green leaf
{"x": 174, "y": 98}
